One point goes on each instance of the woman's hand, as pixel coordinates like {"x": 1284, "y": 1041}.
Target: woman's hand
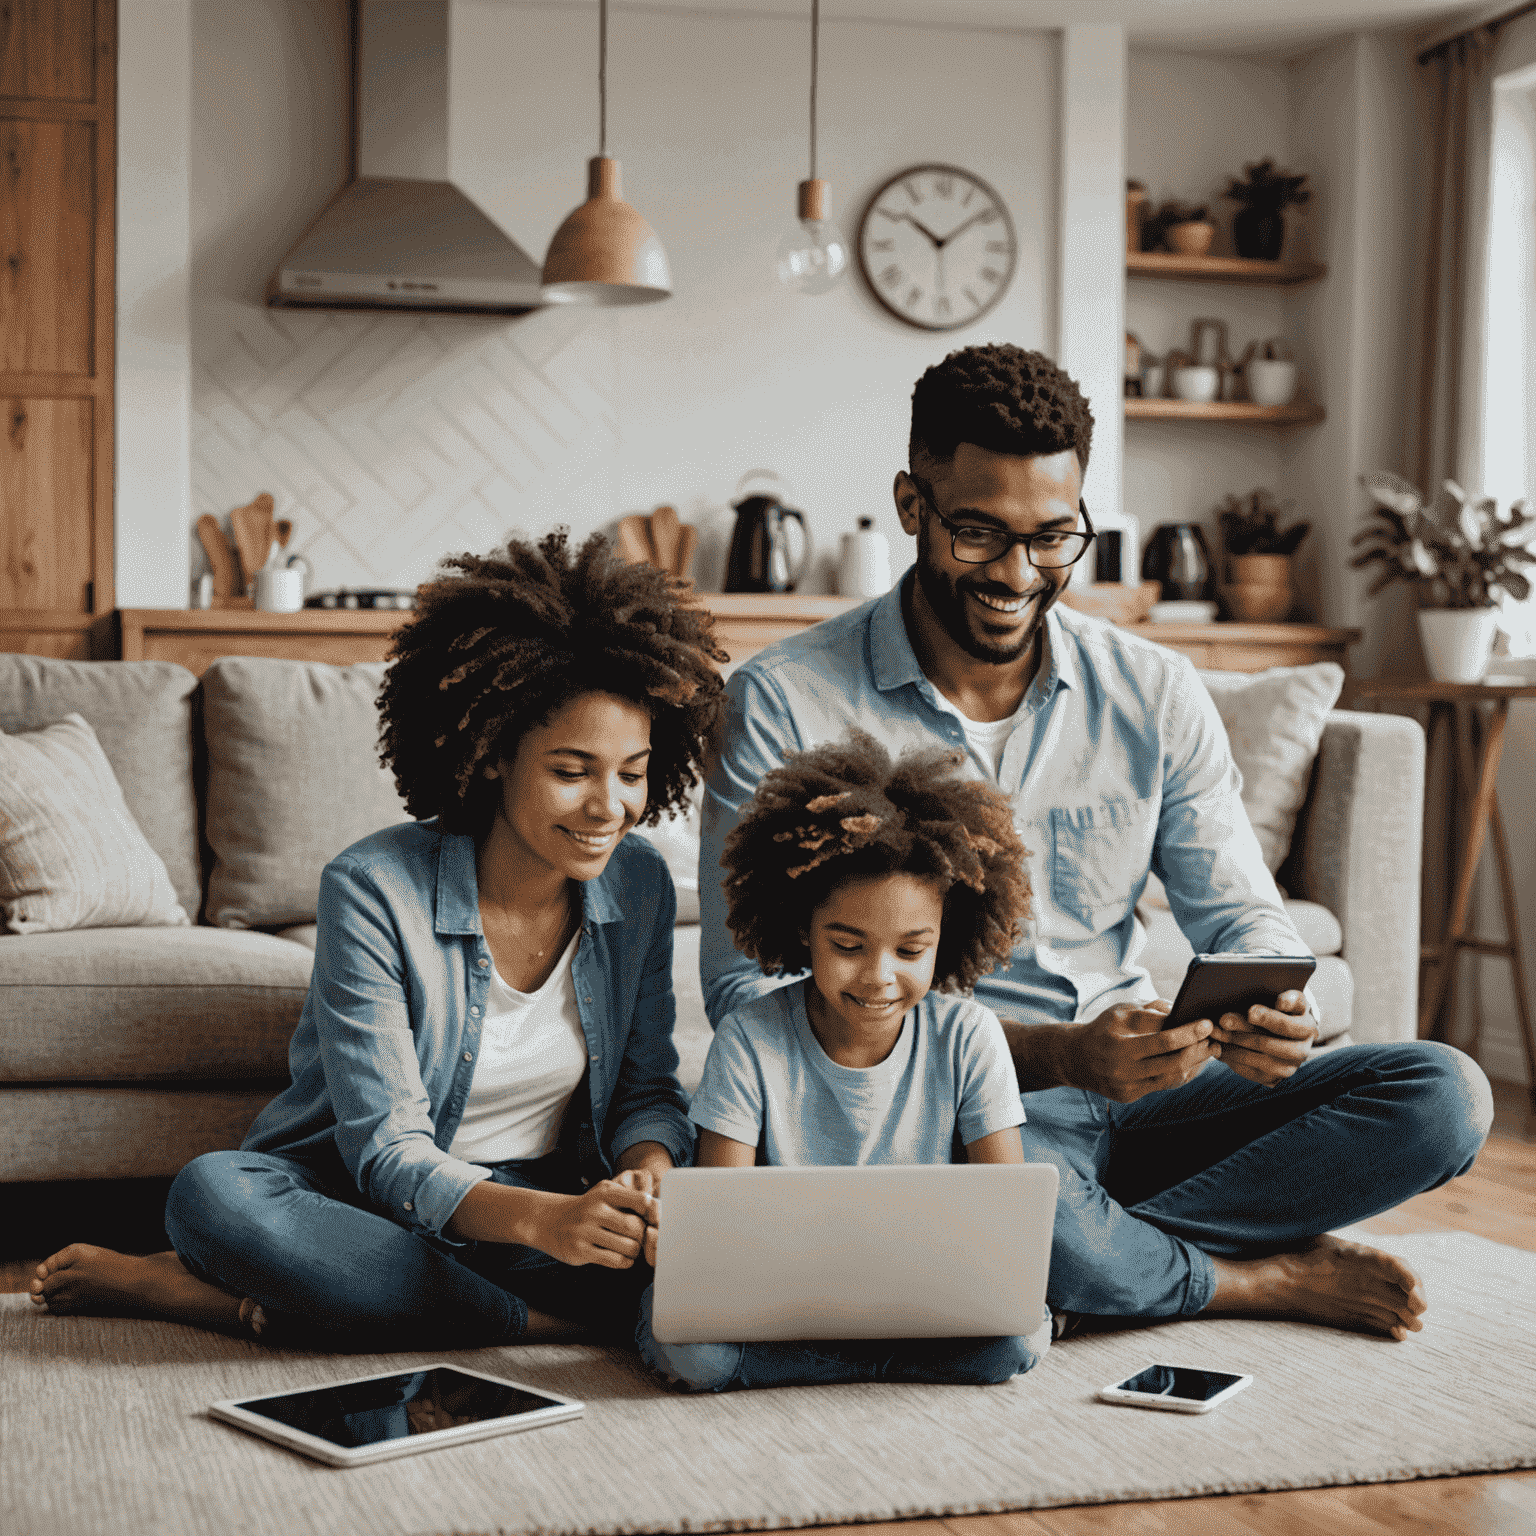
{"x": 605, "y": 1226}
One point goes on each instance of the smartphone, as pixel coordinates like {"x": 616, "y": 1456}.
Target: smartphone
{"x": 1218, "y": 984}
{"x": 1177, "y": 1388}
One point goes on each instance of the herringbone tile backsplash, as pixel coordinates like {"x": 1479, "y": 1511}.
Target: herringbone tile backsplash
{"x": 393, "y": 440}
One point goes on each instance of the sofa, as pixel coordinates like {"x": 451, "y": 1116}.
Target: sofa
{"x": 125, "y": 1052}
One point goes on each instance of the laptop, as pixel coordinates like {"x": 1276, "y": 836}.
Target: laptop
{"x": 942, "y": 1251}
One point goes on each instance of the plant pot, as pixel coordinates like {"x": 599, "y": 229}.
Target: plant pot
{"x": 1271, "y": 381}
{"x": 1458, "y": 642}
{"x": 1257, "y": 605}
{"x": 1258, "y": 233}
{"x": 1190, "y": 239}
{"x": 1260, "y": 571}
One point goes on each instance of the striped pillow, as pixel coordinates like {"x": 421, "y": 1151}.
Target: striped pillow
{"x": 71, "y": 854}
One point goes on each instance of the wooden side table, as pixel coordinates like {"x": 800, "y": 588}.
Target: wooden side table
{"x": 1485, "y": 823}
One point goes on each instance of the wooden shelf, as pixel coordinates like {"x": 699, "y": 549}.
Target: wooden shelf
{"x": 1298, "y": 413}
{"x": 1223, "y": 269}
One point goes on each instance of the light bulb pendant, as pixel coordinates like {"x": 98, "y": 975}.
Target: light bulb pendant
{"x": 813, "y": 255}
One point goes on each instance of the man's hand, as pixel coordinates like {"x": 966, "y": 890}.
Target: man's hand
{"x": 1126, "y": 1053}
{"x": 1269, "y": 1045}
{"x": 605, "y": 1226}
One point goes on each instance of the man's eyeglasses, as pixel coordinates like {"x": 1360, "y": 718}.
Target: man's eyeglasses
{"x": 1052, "y": 549}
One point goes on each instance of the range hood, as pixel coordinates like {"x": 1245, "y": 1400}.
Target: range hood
{"x": 400, "y": 235}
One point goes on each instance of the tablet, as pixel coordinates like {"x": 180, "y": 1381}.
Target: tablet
{"x": 1218, "y": 984}
{"x": 356, "y": 1422}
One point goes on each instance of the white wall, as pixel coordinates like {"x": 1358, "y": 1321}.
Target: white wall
{"x": 391, "y": 441}
{"x": 153, "y": 331}
{"x": 1192, "y": 121}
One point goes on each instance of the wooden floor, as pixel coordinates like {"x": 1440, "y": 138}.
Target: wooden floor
{"x": 1497, "y": 1199}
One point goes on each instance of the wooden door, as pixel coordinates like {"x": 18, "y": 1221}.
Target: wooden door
{"x": 58, "y": 169}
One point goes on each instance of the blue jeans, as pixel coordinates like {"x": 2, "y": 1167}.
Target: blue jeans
{"x": 297, "y": 1237}
{"x": 1225, "y": 1167}
{"x": 825, "y": 1362}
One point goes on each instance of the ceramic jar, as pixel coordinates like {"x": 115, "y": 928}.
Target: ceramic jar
{"x": 1190, "y": 239}
{"x": 1271, "y": 381}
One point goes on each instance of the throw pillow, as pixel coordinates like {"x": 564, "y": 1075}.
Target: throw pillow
{"x": 71, "y": 854}
{"x": 293, "y": 780}
{"x": 1274, "y": 721}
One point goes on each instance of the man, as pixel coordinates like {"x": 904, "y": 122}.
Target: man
{"x": 1199, "y": 1166}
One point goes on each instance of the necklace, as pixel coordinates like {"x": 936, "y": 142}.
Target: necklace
{"x": 562, "y": 924}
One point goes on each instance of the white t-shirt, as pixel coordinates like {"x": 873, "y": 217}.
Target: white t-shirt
{"x": 988, "y": 739}
{"x": 532, "y": 1056}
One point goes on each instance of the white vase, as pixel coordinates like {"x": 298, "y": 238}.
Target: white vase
{"x": 1458, "y": 642}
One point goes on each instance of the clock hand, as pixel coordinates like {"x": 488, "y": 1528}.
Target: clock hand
{"x": 961, "y": 229}
{"x": 917, "y": 224}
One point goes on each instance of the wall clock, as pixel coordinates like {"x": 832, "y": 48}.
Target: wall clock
{"x": 937, "y": 247}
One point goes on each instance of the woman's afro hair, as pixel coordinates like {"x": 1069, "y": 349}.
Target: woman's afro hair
{"x": 1001, "y": 398}
{"x": 511, "y": 639}
{"x": 844, "y": 812}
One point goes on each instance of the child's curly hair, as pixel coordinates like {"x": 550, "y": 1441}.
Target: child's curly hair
{"x": 844, "y": 812}
{"x": 502, "y": 646}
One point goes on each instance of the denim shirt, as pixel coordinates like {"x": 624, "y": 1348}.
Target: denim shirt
{"x": 1118, "y": 765}
{"x": 385, "y": 1049}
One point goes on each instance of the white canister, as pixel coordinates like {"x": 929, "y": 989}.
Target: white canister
{"x": 1271, "y": 380}
{"x": 864, "y": 562}
{"x": 280, "y": 588}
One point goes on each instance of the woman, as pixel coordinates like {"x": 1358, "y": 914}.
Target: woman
{"x": 484, "y": 1094}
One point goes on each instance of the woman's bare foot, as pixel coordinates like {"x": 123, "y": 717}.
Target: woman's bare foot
{"x": 1328, "y": 1281}
{"x": 89, "y": 1281}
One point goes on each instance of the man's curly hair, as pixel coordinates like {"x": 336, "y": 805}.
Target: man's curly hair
{"x": 844, "y": 812}
{"x": 511, "y": 639}
{"x": 1001, "y": 398}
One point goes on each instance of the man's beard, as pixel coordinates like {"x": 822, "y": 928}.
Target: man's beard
{"x": 945, "y": 596}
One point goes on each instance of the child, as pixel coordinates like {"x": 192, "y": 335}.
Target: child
{"x": 884, "y": 882}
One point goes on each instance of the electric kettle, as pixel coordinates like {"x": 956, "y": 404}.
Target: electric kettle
{"x": 761, "y": 556}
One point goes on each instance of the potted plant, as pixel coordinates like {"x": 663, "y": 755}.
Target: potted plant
{"x": 1180, "y": 227}
{"x": 1258, "y": 229}
{"x": 1258, "y": 556}
{"x": 1462, "y": 558}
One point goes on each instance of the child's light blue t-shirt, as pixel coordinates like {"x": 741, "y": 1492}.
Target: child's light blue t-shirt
{"x": 767, "y": 1082}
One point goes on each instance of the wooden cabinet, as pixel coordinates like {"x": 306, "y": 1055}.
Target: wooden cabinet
{"x": 745, "y": 623}
{"x": 58, "y": 79}
{"x": 1252, "y": 647}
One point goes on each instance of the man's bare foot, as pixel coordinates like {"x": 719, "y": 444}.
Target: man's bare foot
{"x": 1328, "y": 1281}
{"x": 88, "y": 1281}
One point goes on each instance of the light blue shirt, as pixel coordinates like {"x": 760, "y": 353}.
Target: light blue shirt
{"x": 1117, "y": 764}
{"x": 767, "y": 1083}
{"x": 387, "y": 1042}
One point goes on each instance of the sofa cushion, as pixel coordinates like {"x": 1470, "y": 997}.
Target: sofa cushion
{"x": 1274, "y": 721}
{"x": 692, "y": 1033}
{"x": 141, "y": 712}
{"x": 293, "y": 779}
{"x": 71, "y": 854}
{"x": 125, "y": 1004}
{"x": 676, "y": 838}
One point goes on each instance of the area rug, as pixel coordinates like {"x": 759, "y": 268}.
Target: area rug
{"x": 103, "y": 1428}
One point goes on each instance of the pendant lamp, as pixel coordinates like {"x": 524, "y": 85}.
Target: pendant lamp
{"x": 813, "y": 255}
{"x": 605, "y": 252}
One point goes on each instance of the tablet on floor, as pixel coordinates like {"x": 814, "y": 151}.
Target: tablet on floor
{"x": 365, "y": 1419}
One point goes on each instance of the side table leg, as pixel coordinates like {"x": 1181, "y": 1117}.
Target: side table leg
{"x": 1512, "y": 928}
{"x": 1477, "y": 831}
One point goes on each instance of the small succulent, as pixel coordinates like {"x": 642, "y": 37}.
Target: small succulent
{"x": 1459, "y": 552}
{"x": 1156, "y": 225}
{"x": 1263, "y": 187}
{"x": 1250, "y": 526}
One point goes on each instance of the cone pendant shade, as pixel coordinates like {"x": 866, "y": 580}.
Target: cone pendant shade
{"x": 605, "y": 252}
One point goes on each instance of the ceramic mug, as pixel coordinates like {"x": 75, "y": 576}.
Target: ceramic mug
{"x": 1198, "y": 383}
{"x": 1271, "y": 381}
{"x": 280, "y": 588}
